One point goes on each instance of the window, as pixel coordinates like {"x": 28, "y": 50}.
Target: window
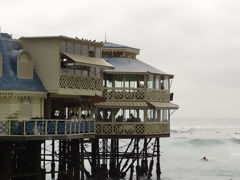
{"x": 150, "y": 81}
{"x": 157, "y": 82}
{"x": 150, "y": 115}
{"x": 165, "y": 83}
{"x": 165, "y": 115}
{"x": 24, "y": 66}
{"x": 158, "y": 115}
{"x": 91, "y": 53}
{"x": 1, "y": 60}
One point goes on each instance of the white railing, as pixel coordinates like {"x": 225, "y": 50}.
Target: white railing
{"x": 46, "y": 127}
{"x": 132, "y": 128}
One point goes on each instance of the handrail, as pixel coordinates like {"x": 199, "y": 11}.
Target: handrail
{"x": 132, "y": 128}
{"x": 46, "y": 127}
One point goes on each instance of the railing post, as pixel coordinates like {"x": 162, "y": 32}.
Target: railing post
{"x": 56, "y": 123}
{"x": 35, "y": 127}
{"x": 46, "y": 125}
{"x": 134, "y": 128}
{"x": 65, "y": 127}
{"x": 9, "y": 127}
{"x": 94, "y": 123}
{"x": 83, "y": 127}
{"x": 89, "y": 127}
{"x": 24, "y": 127}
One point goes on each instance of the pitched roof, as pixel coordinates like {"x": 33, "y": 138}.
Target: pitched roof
{"x": 10, "y": 49}
{"x": 113, "y": 45}
{"x": 131, "y": 65}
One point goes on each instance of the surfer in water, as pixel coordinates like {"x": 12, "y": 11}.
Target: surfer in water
{"x": 204, "y": 158}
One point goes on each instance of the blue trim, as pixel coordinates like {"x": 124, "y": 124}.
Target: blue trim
{"x": 10, "y": 49}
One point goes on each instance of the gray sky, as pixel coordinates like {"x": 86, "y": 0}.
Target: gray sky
{"x": 197, "y": 40}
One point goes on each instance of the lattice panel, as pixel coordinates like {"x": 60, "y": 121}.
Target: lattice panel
{"x": 70, "y": 82}
{"x": 98, "y": 84}
{"x": 140, "y": 95}
{"x": 98, "y": 129}
{"x": 50, "y": 127}
{"x": 110, "y": 94}
{"x": 63, "y": 81}
{"x": 107, "y": 129}
{"x": 129, "y": 129}
{"x": 30, "y": 128}
{"x": 118, "y": 95}
{"x": 78, "y": 82}
{"x": 41, "y": 128}
{"x": 91, "y": 84}
{"x": 61, "y": 127}
{"x": 105, "y": 93}
{"x": 17, "y": 128}
{"x": 85, "y": 83}
{"x": 139, "y": 128}
{"x": 3, "y": 127}
{"x": 118, "y": 129}
{"x": 129, "y": 95}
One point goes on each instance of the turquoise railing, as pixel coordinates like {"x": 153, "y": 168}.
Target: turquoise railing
{"x": 45, "y": 127}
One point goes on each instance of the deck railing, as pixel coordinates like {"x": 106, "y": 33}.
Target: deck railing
{"x": 46, "y": 127}
{"x": 132, "y": 128}
{"x": 135, "y": 94}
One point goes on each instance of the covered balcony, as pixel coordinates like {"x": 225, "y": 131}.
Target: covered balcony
{"x": 127, "y": 119}
{"x": 136, "y": 87}
{"x": 81, "y": 75}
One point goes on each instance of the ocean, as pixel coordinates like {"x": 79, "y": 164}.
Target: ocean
{"x": 191, "y": 139}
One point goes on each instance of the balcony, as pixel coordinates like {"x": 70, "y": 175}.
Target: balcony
{"x": 136, "y": 94}
{"x": 129, "y": 129}
{"x": 46, "y": 129}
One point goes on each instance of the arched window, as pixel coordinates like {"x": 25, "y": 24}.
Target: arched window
{"x": 1, "y": 60}
{"x": 24, "y": 66}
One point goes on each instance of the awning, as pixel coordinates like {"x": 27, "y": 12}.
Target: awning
{"x": 122, "y": 104}
{"x": 92, "y": 61}
{"x": 163, "y": 105}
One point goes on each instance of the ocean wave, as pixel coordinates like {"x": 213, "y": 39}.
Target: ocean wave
{"x": 203, "y": 142}
{"x": 217, "y": 129}
{"x": 209, "y": 142}
{"x": 235, "y": 140}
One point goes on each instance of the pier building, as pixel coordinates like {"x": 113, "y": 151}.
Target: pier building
{"x": 84, "y": 97}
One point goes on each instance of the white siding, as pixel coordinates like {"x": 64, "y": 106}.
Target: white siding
{"x": 98, "y": 52}
{"x": 84, "y": 50}
{"x": 77, "y": 49}
{"x": 8, "y": 106}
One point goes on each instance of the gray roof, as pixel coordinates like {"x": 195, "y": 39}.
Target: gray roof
{"x": 113, "y": 45}
{"x": 131, "y": 65}
{"x": 10, "y": 49}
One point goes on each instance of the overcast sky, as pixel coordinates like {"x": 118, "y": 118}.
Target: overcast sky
{"x": 196, "y": 40}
